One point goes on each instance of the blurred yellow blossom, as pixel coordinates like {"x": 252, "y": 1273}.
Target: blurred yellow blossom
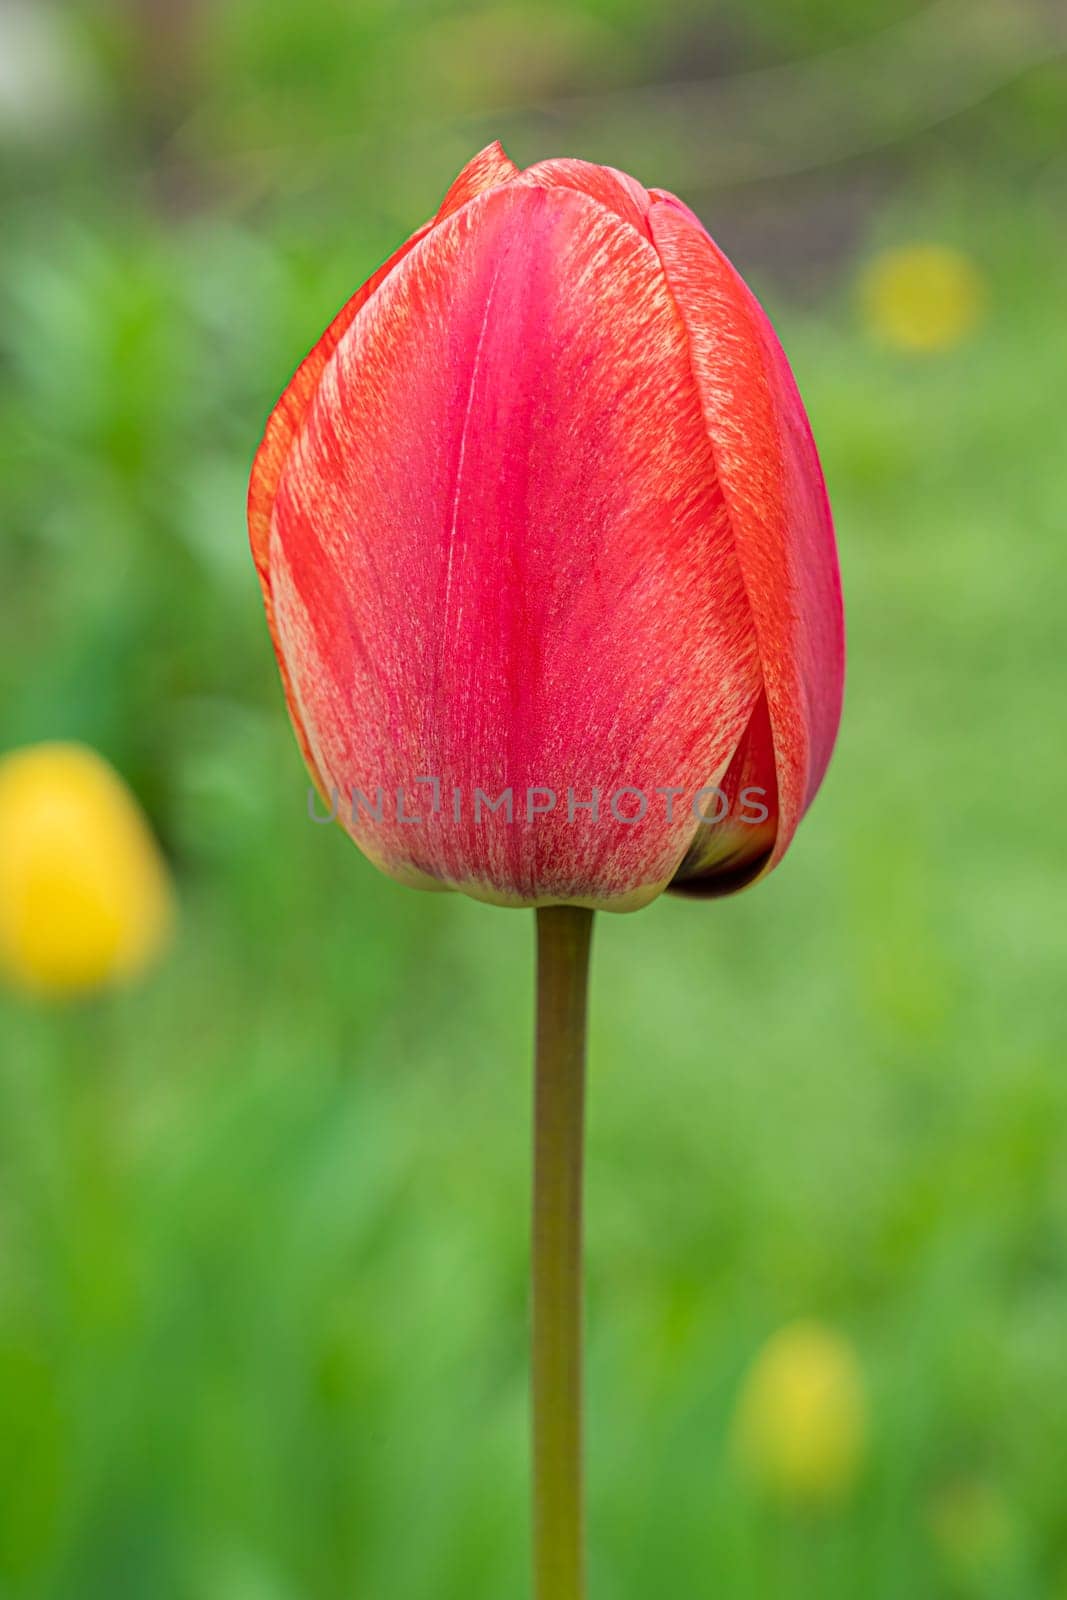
{"x": 85, "y": 898}
{"x": 800, "y": 1430}
{"x": 923, "y": 297}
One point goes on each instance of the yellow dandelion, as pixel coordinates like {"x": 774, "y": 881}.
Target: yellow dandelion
{"x": 800, "y": 1430}
{"x": 923, "y": 297}
{"x": 85, "y": 897}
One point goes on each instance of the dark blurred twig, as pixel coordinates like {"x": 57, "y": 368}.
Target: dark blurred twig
{"x": 165, "y": 38}
{"x": 861, "y": 97}
{"x": 858, "y": 98}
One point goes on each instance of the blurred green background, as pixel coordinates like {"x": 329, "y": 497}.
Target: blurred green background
{"x": 263, "y": 1219}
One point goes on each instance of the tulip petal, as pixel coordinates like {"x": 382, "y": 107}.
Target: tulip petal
{"x": 283, "y": 425}
{"x": 490, "y": 167}
{"x": 500, "y": 557}
{"x": 614, "y": 189}
{"x": 730, "y": 853}
{"x": 773, "y": 487}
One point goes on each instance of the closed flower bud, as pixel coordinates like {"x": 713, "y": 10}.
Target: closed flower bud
{"x": 85, "y": 899}
{"x": 547, "y": 556}
{"x": 801, "y": 1422}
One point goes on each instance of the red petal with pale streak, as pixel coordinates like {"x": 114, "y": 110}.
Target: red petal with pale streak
{"x": 616, "y": 190}
{"x": 779, "y": 513}
{"x": 501, "y": 556}
{"x": 490, "y": 167}
{"x": 283, "y": 425}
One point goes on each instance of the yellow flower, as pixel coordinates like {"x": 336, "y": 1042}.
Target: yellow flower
{"x": 800, "y": 1429}
{"x": 923, "y": 297}
{"x": 85, "y": 898}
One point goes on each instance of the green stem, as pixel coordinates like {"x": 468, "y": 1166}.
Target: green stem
{"x": 563, "y": 937}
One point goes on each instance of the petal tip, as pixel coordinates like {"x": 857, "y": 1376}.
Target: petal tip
{"x": 487, "y": 170}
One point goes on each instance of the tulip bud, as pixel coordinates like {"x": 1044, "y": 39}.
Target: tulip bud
{"x": 801, "y": 1422}
{"x": 85, "y": 900}
{"x": 546, "y": 553}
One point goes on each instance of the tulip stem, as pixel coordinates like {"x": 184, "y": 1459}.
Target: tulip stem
{"x": 563, "y": 939}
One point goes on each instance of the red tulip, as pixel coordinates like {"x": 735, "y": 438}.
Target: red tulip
{"x": 541, "y": 514}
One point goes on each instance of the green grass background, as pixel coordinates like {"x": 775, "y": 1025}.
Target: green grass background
{"x": 263, "y": 1222}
